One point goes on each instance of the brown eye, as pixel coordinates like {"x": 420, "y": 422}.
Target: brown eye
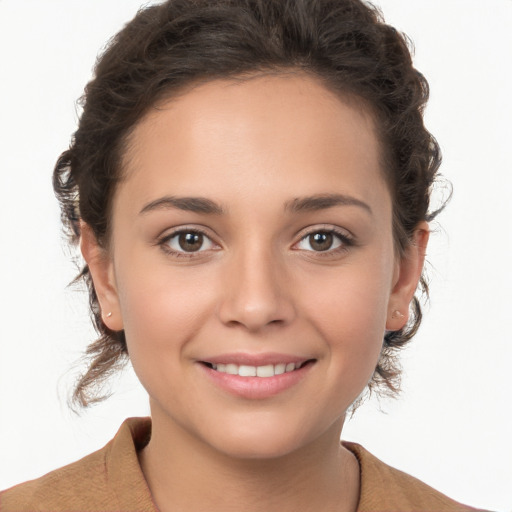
{"x": 321, "y": 241}
{"x": 190, "y": 242}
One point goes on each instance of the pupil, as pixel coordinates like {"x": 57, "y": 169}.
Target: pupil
{"x": 190, "y": 241}
{"x": 321, "y": 241}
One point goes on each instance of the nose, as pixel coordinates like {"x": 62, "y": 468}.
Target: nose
{"x": 256, "y": 291}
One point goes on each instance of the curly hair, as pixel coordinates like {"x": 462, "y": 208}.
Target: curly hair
{"x": 167, "y": 47}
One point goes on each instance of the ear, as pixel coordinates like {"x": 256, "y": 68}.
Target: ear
{"x": 405, "y": 280}
{"x": 102, "y": 272}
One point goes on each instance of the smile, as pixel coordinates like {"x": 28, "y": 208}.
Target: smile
{"x": 265, "y": 371}
{"x": 256, "y": 377}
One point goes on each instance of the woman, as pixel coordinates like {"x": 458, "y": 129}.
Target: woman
{"x": 250, "y": 186}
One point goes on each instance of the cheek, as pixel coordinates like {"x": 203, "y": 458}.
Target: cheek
{"x": 154, "y": 296}
{"x": 353, "y": 301}
{"x": 350, "y": 315}
{"x": 162, "y": 311}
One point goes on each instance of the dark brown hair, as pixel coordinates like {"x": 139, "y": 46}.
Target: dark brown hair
{"x": 166, "y": 47}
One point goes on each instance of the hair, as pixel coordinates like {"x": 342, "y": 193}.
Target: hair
{"x": 169, "y": 46}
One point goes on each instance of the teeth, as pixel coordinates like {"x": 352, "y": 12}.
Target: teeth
{"x": 247, "y": 371}
{"x": 268, "y": 370}
{"x": 279, "y": 369}
{"x": 265, "y": 371}
{"x": 232, "y": 369}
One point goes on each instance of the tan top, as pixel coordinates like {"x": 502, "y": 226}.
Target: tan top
{"x": 111, "y": 480}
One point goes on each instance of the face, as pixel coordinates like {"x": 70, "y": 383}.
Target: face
{"x": 252, "y": 263}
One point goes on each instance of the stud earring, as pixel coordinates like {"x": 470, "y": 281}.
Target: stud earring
{"x": 397, "y": 314}
{"x": 109, "y": 314}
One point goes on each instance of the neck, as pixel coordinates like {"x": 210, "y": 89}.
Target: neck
{"x": 184, "y": 473}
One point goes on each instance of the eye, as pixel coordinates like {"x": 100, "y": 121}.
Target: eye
{"x": 187, "y": 241}
{"x": 323, "y": 240}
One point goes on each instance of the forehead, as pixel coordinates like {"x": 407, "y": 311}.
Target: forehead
{"x": 273, "y": 127}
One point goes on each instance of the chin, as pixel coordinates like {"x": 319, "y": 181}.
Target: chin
{"x": 263, "y": 438}
{"x": 258, "y": 446}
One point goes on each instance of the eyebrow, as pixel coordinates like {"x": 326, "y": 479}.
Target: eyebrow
{"x": 189, "y": 204}
{"x": 324, "y": 201}
{"x": 297, "y": 205}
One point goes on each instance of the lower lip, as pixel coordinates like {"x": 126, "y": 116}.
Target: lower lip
{"x": 256, "y": 388}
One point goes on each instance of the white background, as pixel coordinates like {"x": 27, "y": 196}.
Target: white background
{"x": 452, "y": 426}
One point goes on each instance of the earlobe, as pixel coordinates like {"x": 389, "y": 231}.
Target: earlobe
{"x": 408, "y": 274}
{"x": 102, "y": 273}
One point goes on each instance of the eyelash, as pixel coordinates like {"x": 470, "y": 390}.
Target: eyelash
{"x": 164, "y": 242}
{"x": 345, "y": 239}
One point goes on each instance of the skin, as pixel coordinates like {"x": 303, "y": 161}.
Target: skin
{"x": 257, "y": 285}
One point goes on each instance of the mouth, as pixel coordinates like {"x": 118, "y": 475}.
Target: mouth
{"x": 263, "y": 371}
{"x": 256, "y": 376}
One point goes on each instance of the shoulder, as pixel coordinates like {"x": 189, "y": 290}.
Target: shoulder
{"x": 99, "y": 481}
{"x": 72, "y": 484}
{"x": 386, "y": 488}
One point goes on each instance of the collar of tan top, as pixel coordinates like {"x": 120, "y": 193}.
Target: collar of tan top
{"x": 123, "y": 470}
{"x": 383, "y": 488}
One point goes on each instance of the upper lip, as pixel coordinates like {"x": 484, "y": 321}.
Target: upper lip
{"x": 255, "y": 359}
